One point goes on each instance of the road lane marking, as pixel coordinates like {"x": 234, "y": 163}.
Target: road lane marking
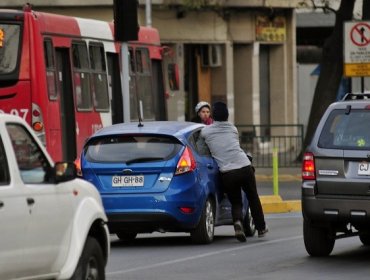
{"x": 191, "y": 258}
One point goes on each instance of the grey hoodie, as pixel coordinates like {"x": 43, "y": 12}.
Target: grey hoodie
{"x": 222, "y": 139}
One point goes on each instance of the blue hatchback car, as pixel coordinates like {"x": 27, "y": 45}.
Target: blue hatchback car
{"x": 156, "y": 176}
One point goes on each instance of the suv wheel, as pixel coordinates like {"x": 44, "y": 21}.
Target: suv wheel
{"x": 91, "y": 263}
{"x": 317, "y": 240}
{"x": 248, "y": 224}
{"x": 204, "y": 232}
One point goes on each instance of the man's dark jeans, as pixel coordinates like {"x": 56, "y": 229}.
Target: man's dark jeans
{"x": 243, "y": 179}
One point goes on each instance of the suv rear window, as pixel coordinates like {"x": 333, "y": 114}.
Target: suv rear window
{"x": 131, "y": 148}
{"x": 346, "y": 131}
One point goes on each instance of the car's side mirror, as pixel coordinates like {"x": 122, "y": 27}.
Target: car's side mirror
{"x": 64, "y": 171}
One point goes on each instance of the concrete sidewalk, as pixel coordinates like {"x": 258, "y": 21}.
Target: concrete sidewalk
{"x": 274, "y": 203}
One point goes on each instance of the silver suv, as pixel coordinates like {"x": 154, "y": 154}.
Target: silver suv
{"x": 336, "y": 176}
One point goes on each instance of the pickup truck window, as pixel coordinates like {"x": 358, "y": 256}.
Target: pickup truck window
{"x": 32, "y": 163}
{"x": 4, "y": 170}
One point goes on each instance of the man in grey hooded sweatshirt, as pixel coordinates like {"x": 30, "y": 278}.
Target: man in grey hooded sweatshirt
{"x": 237, "y": 174}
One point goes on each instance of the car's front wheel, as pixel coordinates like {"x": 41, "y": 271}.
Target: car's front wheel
{"x": 204, "y": 232}
{"x": 318, "y": 241}
{"x": 91, "y": 263}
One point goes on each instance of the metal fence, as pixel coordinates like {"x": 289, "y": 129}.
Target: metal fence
{"x": 262, "y": 140}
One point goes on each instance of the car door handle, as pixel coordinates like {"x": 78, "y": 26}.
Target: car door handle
{"x": 1, "y": 204}
{"x": 30, "y": 201}
{"x": 209, "y": 166}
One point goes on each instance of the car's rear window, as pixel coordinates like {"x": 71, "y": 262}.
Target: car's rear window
{"x": 131, "y": 148}
{"x": 346, "y": 130}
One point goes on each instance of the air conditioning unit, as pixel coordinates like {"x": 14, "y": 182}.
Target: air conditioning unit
{"x": 211, "y": 55}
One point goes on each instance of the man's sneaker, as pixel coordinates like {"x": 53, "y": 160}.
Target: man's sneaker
{"x": 262, "y": 232}
{"x": 239, "y": 232}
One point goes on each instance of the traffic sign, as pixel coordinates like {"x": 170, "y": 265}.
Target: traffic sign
{"x": 357, "y": 49}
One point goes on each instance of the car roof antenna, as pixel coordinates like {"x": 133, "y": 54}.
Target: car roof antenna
{"x": 140, "y": 114}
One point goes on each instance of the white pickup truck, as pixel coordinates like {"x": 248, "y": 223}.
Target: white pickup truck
{"x": 52, "y": 225}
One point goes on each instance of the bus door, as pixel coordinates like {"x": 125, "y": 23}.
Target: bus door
{"x": 115, "y": 84}
{"x": 67, "y": 111}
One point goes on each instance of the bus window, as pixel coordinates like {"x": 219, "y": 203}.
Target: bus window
{"x": 144, "y": 82}
{"x": 9, "y": 47}
{"x": 81, "y": 76}
{"x": 50, "y": 69}
{"x": 99, "y": 78}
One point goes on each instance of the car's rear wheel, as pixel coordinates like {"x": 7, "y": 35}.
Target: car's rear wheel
{"x": 318, "y": 241}
{"x": 204, "y": 232}
{"x": 126, "y": 235}
{"x": 365, "y": 239}
{"x": 91, "y": 263}
{"x": 248, "y": 224}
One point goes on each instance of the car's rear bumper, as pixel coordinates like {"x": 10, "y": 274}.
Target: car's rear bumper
{"x": 343, "y": 210}
{"x": 148, "y": 213}
{"x": 146, "y": 222}
{"x": 334, "y": 208}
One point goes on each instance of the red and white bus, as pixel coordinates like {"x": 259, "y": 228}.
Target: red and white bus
{"x": 62, "y": 75}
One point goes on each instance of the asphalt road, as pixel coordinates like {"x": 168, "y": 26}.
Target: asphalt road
{"x": 280, "y": 256}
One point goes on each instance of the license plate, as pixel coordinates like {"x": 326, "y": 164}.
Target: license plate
{"x": 363, "y": 168}
{"x": 128, "y": 181}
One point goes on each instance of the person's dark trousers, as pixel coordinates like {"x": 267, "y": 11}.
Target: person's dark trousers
{"x": 243, "y": 179}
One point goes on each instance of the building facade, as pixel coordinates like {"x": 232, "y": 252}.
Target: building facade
{"x": 237, "y": 51}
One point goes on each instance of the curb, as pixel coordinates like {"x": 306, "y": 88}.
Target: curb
{"x": 275, "y": 204}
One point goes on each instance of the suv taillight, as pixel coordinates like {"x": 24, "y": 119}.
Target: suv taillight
{"x": 308, "y": 167}
{"x": 186, "y": 163}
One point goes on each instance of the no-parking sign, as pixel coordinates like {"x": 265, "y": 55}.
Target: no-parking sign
{"x": 357, "y": 49}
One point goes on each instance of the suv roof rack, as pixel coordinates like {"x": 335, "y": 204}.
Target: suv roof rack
{"x": 356, "y": 96}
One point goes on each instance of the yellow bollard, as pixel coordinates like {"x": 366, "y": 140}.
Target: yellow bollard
{"x": 275, "y": 172}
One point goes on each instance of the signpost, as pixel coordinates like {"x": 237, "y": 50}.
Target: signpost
{"x": 357, "y": 50}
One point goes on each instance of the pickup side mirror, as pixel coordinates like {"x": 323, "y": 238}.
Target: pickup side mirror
{"x": 64, "y": 171}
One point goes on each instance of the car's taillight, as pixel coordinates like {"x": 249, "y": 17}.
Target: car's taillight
{"x": 186, "y": 163}
{"x": 308, "y": 167}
